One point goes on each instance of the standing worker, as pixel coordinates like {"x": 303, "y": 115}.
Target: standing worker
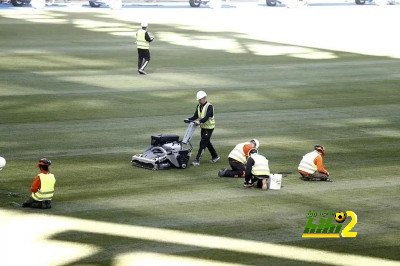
{"x": 42, "y": 187}
{"x": 237, "y": 159}
{"x": 311, "y": 167}
{"x": 257, "y": 170}
{"x": 204, "y": 116}
{"x": 143, "y": 40}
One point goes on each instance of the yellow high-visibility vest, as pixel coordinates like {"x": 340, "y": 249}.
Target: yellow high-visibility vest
{"x": 210, "y": 123}
{"x": 238, "y": 154}
{"x": 307, "y": 163}
{"x": 46, "y": 191}
{"x": 260, "y": 167}
{"x": 141, "y": 42}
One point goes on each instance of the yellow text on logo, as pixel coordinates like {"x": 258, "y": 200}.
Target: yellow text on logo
{"x": 325, "y": 229}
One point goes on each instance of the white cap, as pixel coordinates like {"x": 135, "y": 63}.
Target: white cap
{"x": 201, "y": 95}
{"x": 144, "y": 24}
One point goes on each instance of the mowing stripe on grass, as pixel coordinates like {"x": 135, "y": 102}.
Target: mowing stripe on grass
{"x": 19, "y": 237}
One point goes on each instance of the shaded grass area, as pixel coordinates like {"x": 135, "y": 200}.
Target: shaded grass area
{"x": 74, "y": 96}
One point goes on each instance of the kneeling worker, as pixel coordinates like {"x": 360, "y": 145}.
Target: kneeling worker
{"x": 311, "y": 167}
{"x": 257, "y": 170}
{"x": 238, "y": 158}
{"x": 42, "y": 187}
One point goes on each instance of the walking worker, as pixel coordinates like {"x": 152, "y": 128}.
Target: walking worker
{"x": 143, "y": 40}
{"x": 311, "y": 167}
{"x": 257, "y": 170}
{"x": 42, "y": 187}
{"x": 237, "y": 159}
{"x": 204, "y": 116}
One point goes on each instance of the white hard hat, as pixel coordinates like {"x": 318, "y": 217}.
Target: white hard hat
{"x": 144, "y": 24}
{"x": 256, "y": 142}
{"x": 2, "y": 162}
{"x": 201, "y": 95}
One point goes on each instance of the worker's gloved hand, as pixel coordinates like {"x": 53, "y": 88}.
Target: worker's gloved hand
{"x": 186, "y": 120}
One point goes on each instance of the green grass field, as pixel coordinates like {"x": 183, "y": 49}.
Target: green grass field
{"x": 72, "y": 94}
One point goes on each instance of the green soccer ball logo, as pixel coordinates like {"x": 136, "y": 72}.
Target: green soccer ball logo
{"x": 340, "y": 217}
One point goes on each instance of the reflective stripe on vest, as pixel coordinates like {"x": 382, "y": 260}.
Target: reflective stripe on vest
{"x": 238, "y": 154}
{"x": 260, "y": 167}
{"x": 46, "y": 190}
{"x": 307, "y": 163}
{"x": 210, "y": 123}
{"x": 141, "y": 40}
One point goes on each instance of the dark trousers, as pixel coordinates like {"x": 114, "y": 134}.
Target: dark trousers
{"x": 316, "y": 176}
{"x": 205, "y": 142}
{"x": 143, "y": 55}
{"x": 238, "y": 169}
{"x": 31, "y": 203}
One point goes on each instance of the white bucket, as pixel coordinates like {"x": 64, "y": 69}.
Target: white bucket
{"x": 38, "y": 4}
{"x": 275, "y": 181}
{"x": 115, "y": 4}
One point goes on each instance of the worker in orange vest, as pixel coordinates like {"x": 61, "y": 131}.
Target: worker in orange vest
{"x": 311, "y": 167}
{"x": 42, "y": 187}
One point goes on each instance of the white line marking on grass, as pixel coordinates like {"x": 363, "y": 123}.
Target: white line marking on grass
{"x": 29, "y": 242}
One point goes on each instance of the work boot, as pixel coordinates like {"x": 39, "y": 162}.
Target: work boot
{"x": 196, "y": 163}
{"x": 214, "y": 160}
{"x": 222, "y": 172}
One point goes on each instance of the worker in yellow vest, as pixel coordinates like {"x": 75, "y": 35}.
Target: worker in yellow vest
{"x": 42, "y": 187}
{"x": 237, "y": 159}
{"x": 257, "y": 170}
{"x": 143, "y": 40}
{"x": 204, "y": 116}
{"x": 311, "y": 167}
